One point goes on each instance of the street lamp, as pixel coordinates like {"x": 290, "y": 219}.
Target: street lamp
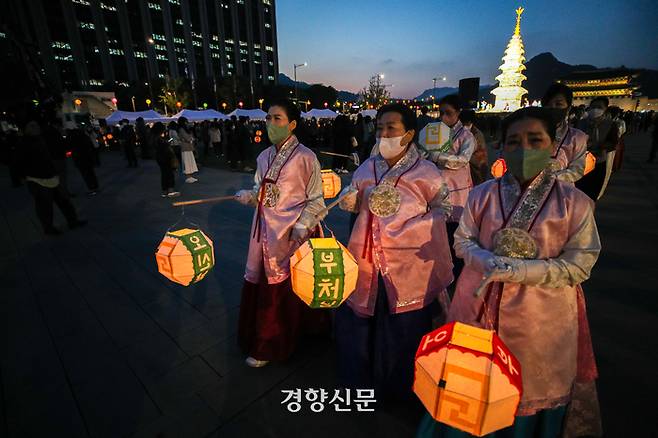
{"x": 224, "y": 106}
{"x": 295, "y": 67}
{"x": 240, "y": 104}
{"x": 148, "y": 102}
{"x": 260, "y": 102}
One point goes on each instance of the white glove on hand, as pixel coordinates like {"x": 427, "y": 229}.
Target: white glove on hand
{"x": 299, "y": 233}
{"x": 244, "y": 197}
{"x": 508, "y": 270}
{"x": 351, "y": 200}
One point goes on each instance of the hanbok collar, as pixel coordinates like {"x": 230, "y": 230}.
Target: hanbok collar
{"x": 383, "y": 172}
{"x": 281, "y": 157}
{"x": 521, "y": 208}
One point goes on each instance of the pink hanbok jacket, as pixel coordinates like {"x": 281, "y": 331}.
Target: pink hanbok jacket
{"x": 410, "y": 248}
{"x": 295, "y": 170}
{"x": 569, "y": 152}
{"x": 542, "y": 319}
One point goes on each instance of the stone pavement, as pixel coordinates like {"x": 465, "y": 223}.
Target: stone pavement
{"x": 94, "y": 342}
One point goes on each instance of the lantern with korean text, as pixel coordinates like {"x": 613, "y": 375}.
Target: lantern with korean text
{"x": 590, "y": 162}
{"x": 185, "y": 256}
{"x": 498, "y": 168}
{"x": 330, "y": 184}
{"x": 323, "y": 273}
{"x": 467, "y": 378}
{"x": 435, "y": 137}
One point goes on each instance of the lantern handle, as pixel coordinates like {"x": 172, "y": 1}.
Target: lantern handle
{"x": 182, "y": 219}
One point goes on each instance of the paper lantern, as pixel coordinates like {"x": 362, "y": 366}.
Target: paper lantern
{"x": 435, "y": 137}
{"x": 498, "y": 168}
{"x": 590, "y": 162}
{"x": 330, "y": 184}
{"x": 467, "y": 378}
{"x": 185, "y": 256}
{"x": 323, "y": 273}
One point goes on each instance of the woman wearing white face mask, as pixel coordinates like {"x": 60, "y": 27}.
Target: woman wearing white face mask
{"x": 400, "y": 243}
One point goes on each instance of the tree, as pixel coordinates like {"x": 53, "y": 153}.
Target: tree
{"x": 318, "y": 94}
{"x": 375, "y": 93}
{"x": 174, "y": 91}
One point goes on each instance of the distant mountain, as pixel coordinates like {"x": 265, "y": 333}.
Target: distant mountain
{"x": 346, "y": 96}
{"x": 544, "y": 69}
{"x": 343, "y": 96}
{"x": 288, "y": 82}
{"x": 440, "y": 92}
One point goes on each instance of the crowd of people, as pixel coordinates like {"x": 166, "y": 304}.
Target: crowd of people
{"x": 526, "y": 240}
{"x": 529, "y": 237}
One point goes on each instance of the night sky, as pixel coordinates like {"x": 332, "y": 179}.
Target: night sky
{"x": 410, "y": 42}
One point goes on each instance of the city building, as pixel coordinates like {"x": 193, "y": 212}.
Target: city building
{"x": 619, "y": 85}
{"x": 103, "y": 44}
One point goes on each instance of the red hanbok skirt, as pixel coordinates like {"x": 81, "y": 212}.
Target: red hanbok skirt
{"x": 273, "y": 318}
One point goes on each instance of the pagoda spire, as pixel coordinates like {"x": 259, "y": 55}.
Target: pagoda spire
{"x": 510, "y": 91}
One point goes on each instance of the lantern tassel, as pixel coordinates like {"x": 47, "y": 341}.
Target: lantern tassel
{"x": 203, "y": 201}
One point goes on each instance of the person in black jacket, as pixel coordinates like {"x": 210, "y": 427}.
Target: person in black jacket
{"x": 82, "y": 151}
{"x": 166, "y": 158}
{"x": 42, "y": 181}
{"x": 129, "y": 140}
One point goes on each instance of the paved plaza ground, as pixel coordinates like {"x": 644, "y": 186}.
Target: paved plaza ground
{"x": 94, "y": 342}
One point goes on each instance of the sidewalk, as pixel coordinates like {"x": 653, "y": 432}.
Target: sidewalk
{"x": 95, "y": 342}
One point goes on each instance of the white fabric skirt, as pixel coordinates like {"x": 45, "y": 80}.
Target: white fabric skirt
{"x": 189, "y": 163}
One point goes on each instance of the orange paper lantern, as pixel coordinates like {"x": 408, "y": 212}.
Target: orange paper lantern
{"x": 323, "y": 273}
{"x": 330, "y": 184}
{"x": 185, "y": 256}
{"x": 590, "y": 162}
{"x": 468, "y": 379}
{"x": 498, "y": 168}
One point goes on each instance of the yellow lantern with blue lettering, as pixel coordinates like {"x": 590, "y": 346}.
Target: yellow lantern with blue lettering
{"x": 323, "y": 273}
{"x": 185, "y": 256}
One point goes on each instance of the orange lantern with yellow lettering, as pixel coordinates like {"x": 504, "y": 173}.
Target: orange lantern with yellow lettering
{"x": 498, "y": 168}
{"x": 590, "y": 162}
{"x": 185, "y": 256}
{"x": 468, "y": 379}
{"x": 330, "y": 184}
{"x": 323, "y": 273}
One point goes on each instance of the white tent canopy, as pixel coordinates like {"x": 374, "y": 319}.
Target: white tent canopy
{"x": 369, "y": 112}
{"x": 320, "y": 114}
{"x": 194, "y": 116}
{"x": 253, "y": 114}
{"x": 149, "y": 116}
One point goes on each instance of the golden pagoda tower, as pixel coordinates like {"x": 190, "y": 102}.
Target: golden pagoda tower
{"x": 509, "y": 91}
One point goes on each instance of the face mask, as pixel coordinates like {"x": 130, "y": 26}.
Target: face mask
{"x": 390, "y": 147}
{"x": 276, "y": 133}
{"x": 525, "y": 164}
{"x": 595, "y": 113}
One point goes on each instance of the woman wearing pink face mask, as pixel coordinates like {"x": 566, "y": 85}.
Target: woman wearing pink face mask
{"x": 400, "y": 243}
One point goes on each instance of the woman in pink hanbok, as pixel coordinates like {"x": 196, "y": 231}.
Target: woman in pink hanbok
{"x": 532, "y": 240}
{"x": 399, "y": 241}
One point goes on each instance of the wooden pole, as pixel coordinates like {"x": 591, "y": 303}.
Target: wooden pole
{"x": 204, "y": 201}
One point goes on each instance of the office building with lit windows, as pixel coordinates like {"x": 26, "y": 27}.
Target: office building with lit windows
{"x": 96, "y": 44}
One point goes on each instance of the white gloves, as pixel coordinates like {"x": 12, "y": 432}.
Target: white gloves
{"x": 244, "y": 197}
{"x": 351, "y": 200}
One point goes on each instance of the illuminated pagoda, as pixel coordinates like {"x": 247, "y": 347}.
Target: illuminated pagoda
{"x": 509, "y": 91}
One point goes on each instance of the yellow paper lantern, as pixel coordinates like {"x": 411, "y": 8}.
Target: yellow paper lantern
{"x": 323, "y": 273}
{"x": 590, "y": 162}
{"x": 185, "y": 256}
{"x": 330, "y": 184}
{"x": 468, "y": 379}
{"x": 498, "y": 168}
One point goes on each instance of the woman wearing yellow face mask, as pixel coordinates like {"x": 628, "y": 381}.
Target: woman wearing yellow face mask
{"x": 288, "y": 200}
{"x": 534, "y": 238}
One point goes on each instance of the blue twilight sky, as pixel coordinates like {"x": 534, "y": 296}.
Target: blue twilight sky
{"x": 412, "y": 41}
